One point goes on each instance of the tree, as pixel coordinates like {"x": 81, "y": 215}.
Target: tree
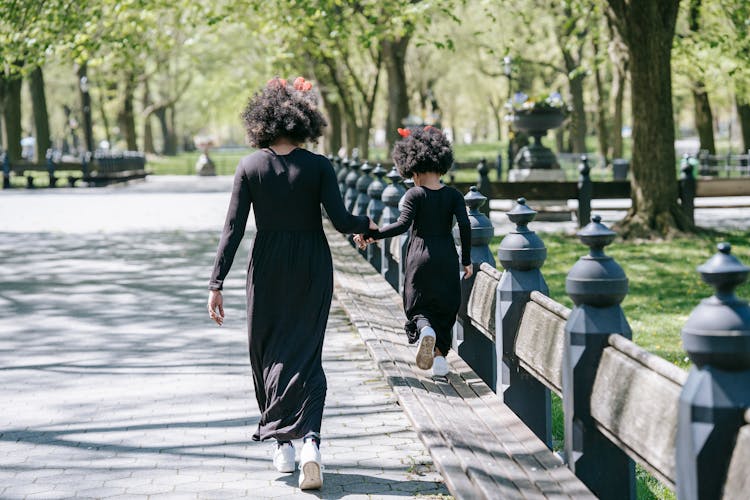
{"x": 648, "y": 30}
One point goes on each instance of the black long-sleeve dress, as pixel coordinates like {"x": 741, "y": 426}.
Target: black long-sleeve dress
{"x": 289, "y": 281}
{"x": 432, "y": 287}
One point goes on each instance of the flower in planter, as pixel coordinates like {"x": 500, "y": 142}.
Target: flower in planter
{"x": 542, "y": 103}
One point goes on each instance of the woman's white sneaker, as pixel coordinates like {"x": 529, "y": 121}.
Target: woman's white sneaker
{"x": 426, "y": 348}
{"x": 440, "y": 366}
{"x": 311, "y": 471}
{"x": 283, "y": 457}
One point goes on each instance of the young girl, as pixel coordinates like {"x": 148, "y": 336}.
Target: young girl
{"x": 432, "y": 287}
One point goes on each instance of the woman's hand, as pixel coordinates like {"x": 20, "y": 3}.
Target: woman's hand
{"x": 359, "y": 240}
{"x": 216, "y": 306}
{"x": 468, "y": 271}
{"x": 373, "y": 226}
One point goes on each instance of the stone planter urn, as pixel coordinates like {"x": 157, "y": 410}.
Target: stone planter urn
{"x": 204, "y": 166}
{"x": 536, "y": 161}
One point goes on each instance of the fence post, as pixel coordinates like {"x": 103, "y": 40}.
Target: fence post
{"x": 499, "y": 167}
{"x": 350, "y": 197}
{"x": 585, "y": 189}
{"x": 6, "y": 171}
{"x": 522, "y": 253}
{"x": 597, "y": 285}
{"x": 391, "y": 195}
{"x": 470, "y": 344}
{"x": 375, "y": 212}
{"x": 341, "y": 176}
{"x": 716, "y": 394}
{"x": 484, "y": 185}
{"x": 687, "y": 188}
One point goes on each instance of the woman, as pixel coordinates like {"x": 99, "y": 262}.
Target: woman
{"x": 290, "y": 274}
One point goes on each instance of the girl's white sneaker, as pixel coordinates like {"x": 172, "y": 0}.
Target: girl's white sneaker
{"x": 440, "y": 366}
{"x": 283, "y": 457}
{"x": 426, "y": 348}
{"x": 311, "y": 471}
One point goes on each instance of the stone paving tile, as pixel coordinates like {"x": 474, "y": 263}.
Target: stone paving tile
{"x": 117, "y": 386}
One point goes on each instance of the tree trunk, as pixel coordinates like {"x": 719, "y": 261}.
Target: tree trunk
{"x": 161, "y": 116}
{"x": 618, "y": 55}
{"x": 126, "y": 117}
{"x": 148, "y": 133}
{"x": 12, "y": 117}
{"x": 171, "y": 144}
{"x": 578, "y": 116}
{"x": 334, "y": 119}
{"x": 394, "y": 56}
{"x": 618, "y": 90}
{"x": 41, "y": 118}
{"x": 83, "y": 84}
{"x": 704, "y": 120}
{"x": 602, "y": 104}
{"x": 743, "y": 113}
{"x": 105, "y": 119}
{"x": 648, "y": 29}
{"x": 351, "y": 135}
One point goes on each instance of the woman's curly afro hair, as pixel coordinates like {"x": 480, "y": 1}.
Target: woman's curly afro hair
{"x": 283, "y": 110}
{"x": 423, "y": 150}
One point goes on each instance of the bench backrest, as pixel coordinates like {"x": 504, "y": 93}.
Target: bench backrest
{"x": 738, "y": 477}
{"x": 483, "y": 300}
{"x": 635, "y": 402}
{"x": 541, "y": 339}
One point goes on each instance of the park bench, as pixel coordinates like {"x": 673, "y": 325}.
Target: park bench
{"x": 98, "y": 170}
{"x": 481, "y": 448}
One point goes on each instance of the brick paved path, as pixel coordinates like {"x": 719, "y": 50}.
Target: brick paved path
{"x": 115, "y": 385}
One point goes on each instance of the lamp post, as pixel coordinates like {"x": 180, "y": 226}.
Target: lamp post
{"x": 508, "y": 70}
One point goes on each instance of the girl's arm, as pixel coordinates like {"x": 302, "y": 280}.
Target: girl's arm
{"x": 330, "y": 196}
{"x": 402, "y": 224}
{"x": 464, "y": 228}
{"x": 234, "y": 229}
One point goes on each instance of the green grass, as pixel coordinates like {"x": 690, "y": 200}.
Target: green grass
{"x": 664, "y": 289}
{"x": 184, "y": 163}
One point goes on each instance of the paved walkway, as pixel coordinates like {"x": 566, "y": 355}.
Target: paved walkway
{"x": 115, "y": 385}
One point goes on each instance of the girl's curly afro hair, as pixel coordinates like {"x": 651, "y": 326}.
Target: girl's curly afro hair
{"x": 283, "y": 110}
{"x": 423, "y": 150}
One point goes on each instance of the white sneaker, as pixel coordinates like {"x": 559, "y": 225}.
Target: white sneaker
{"x": 311, "y": 471}
{"x": 283, "y": 457}
{"x": 440, "y": 366}
{"x": 426, "y": 348}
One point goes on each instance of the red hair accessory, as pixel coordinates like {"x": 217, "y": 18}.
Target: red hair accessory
{"x": 276, "y": 82}
{"x": 404, "y": 132}
{"x": 301, "y": 84}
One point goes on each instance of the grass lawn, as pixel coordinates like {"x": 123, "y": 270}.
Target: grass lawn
{"x": 664, "y": 289}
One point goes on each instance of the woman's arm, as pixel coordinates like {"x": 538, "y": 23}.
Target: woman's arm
{"x": 402, "y": 224}
{"x": 234, "y": 229}
{"x": 464, "y": 228}
{"x": 330, "y": 196}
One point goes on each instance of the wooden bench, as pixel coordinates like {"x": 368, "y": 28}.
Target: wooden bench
{"x": 482, "y": 449}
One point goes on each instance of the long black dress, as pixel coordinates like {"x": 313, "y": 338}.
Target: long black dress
{"x": 432, "y": 287}
{"x": 289, "y": 281}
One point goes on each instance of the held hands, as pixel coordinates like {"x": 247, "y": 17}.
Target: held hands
{"x": 216, "y": 306}
{"x": 361, "y": 241}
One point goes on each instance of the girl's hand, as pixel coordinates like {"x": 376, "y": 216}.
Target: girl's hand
{"x": 373, "y": 226}
{"x": 359, "y": 240}
{"x": 468, "y": 271}
{"x": 216, "y": 306}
